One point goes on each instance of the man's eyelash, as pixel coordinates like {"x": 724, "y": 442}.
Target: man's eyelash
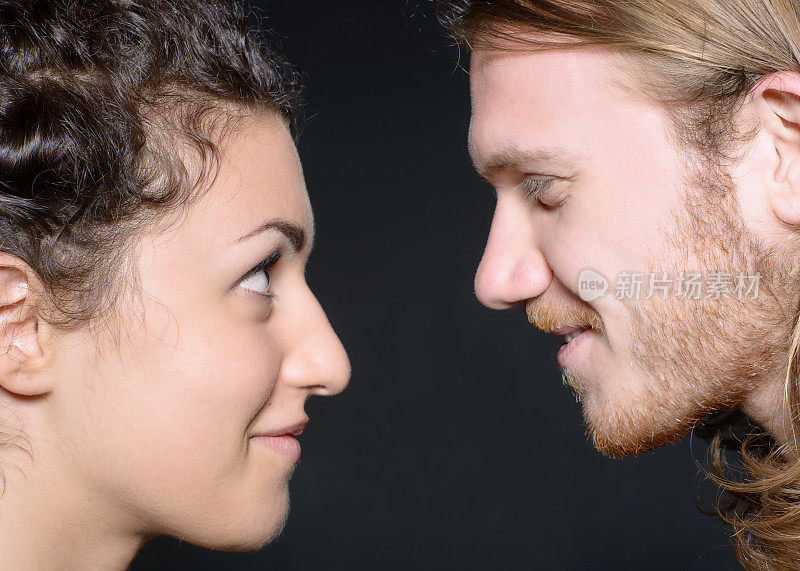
{"x": 533, "y": 187}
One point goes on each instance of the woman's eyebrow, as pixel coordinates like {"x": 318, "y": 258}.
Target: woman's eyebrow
{"x": 296, "y": 235}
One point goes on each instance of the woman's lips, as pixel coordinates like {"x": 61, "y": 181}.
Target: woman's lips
{"x": 285, "y": 445}
{"x": 283, "y": 440}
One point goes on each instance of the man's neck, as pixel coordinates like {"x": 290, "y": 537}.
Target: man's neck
{"x": 767, "y": 406}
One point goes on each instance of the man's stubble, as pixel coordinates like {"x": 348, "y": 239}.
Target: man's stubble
{"x": 689, "y": 357}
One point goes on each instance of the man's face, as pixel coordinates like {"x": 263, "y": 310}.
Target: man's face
{"x": 617, "y": 201}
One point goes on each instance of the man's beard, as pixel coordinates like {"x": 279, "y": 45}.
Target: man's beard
{"x": 687, "y": 358}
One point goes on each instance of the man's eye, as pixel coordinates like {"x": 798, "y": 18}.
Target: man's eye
{"x": 533, "y": 188}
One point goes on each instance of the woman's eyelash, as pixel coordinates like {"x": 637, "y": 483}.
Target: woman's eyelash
{"x": 264, "y": 265}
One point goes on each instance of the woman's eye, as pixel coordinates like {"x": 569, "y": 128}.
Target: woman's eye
{"x": 258, "y": 282}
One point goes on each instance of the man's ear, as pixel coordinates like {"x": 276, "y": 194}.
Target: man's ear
{"x": 780, "y": 93}
{"x": 21, "y": 329}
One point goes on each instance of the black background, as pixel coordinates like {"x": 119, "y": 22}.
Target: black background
{"x": 455, "y": 445}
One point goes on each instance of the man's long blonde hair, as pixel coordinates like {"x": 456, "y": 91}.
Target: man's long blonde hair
{"x": 699, "y": 59}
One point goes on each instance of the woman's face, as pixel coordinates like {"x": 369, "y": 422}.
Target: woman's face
{"x": 156, "y": 426}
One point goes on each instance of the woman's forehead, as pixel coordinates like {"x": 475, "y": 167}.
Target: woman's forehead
{"x": 260, "y": 179}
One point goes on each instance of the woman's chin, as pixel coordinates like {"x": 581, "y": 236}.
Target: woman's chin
{"x": 246, "y": 533}
{"x": 250, "y": 542}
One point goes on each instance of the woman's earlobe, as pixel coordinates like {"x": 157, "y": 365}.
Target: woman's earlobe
{"x": 21, "y": 354}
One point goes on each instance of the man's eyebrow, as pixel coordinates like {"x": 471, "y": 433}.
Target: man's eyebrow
{"x": 511, "y": 157}
{"x": 296, "y": 235}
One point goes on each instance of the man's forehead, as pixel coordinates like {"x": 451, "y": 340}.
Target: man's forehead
{"x": 519, "y": 117}
{"x": 493, "y": 58}
{"x": 526, "y": 104}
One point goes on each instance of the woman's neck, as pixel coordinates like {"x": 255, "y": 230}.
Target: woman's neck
{"x": 48, "y": 521}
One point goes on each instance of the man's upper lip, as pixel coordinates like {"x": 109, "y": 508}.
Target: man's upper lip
{"x": 566, "y": 330}
{"x": 295, "y": 429}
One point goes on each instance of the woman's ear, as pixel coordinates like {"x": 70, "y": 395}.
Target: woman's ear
{"x": 22, "y": 358}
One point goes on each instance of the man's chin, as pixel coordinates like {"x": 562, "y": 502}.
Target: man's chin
{"x": 620, "y": 432}
{"x": 614, "y": 443}
{"x": 621, "y": 429}
{"x": 630, "y": 415}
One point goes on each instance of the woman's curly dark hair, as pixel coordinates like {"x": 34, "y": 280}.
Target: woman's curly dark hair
{"x": 99, "y": 102}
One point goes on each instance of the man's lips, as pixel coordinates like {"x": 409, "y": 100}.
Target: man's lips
{"x": 566, "y": 330}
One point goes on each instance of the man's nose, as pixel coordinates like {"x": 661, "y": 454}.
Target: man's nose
{"x": 513, "y": 268}
{"x": 317, "y": 362}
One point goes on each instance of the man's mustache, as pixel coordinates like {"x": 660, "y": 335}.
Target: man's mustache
{"x": 551, "y": 316}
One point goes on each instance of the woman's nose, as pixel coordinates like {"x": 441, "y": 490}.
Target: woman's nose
{"x": 317, "y": 361}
